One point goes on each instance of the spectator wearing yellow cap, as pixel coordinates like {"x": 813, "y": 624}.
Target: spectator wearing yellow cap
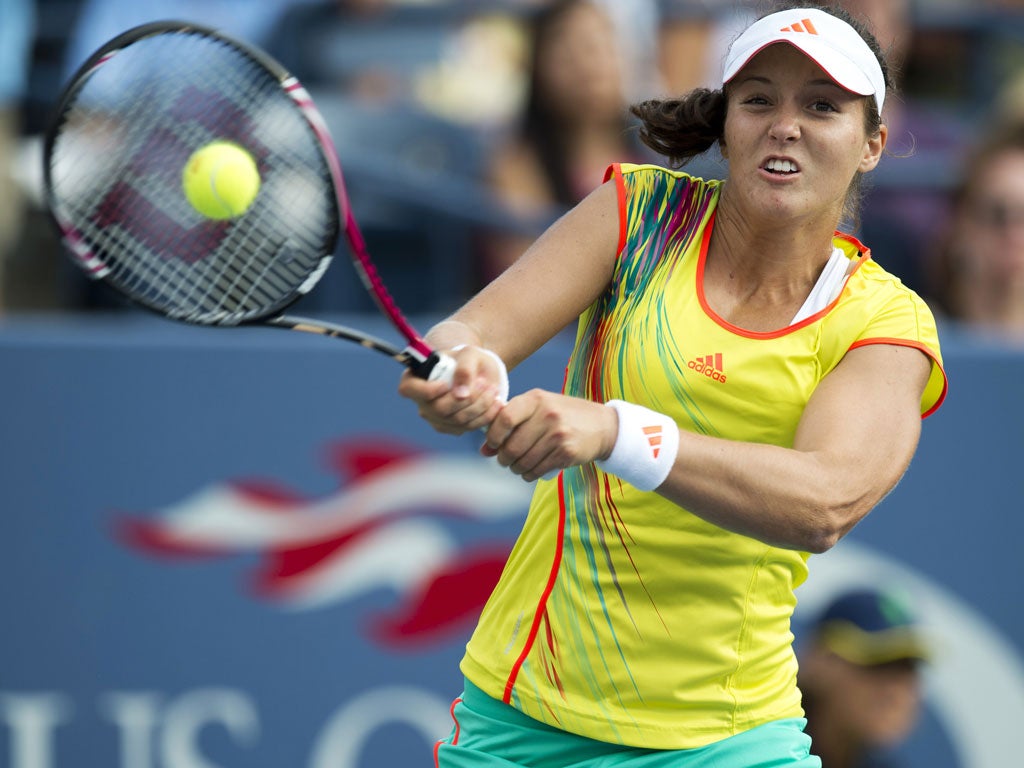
{"x": 860, "y": 678}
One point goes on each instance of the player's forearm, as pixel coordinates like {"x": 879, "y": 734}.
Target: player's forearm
{"x": 787, "y": 498}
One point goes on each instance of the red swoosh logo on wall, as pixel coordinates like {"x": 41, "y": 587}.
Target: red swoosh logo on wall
{"x": 385, "y": 527}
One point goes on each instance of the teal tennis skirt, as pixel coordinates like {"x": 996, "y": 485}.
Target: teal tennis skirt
{"x": 490, "y": 734}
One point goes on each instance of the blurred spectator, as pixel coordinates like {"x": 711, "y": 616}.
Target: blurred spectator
{"x": 365, "y": 50}
{"x": 901, "y": 205}
{"x": 574, "y": 124}
{"x": 16, "y": 33}
{"x": 859, "y": 675}
{"x": 101, "y": 20}
{"x": 478, "y": 80}
{"x": 978, "y": 276}
{"x": 892, "y": 23}
{"x": 694, "y": 37}
{"x": 637, "y": 28}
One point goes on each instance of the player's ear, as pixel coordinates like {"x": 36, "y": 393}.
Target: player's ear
{"x": 873, "y": 149}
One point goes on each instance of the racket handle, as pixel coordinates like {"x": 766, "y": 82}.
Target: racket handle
{"x": 437, "y": 367}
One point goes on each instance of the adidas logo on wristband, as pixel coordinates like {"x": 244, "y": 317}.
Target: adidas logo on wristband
{"x": 645, "y": 448}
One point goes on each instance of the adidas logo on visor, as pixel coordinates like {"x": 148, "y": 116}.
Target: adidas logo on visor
{"x": 801, "y": 26}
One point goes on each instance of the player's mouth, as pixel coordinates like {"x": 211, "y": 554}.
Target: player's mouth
{"x": 780, "y": 166}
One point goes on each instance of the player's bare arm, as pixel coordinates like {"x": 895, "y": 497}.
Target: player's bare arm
{"x": 853, "y": 444}
{"x": 557, "y": 278}
{"x": 539, "y": 295}
{"x": 806, "y": 497}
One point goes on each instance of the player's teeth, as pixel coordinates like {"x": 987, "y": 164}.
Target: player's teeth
{"x": 783, "y": 166}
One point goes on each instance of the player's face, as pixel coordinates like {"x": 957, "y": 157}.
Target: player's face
{"x": 794, "y": 139}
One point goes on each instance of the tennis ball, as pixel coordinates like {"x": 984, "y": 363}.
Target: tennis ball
{"x": 220, "y": 180}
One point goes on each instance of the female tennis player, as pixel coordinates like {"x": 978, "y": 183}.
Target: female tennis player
{"x": 746, "y": 384}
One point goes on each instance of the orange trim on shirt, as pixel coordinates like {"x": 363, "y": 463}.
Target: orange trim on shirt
{"x": 701, "y": 262}
{"x": 615, "y": 172}
{"x": 865, "y": 254}
{"x": 919, "y": 346}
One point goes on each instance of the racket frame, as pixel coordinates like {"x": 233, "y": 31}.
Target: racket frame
{"x": 417, "y": 355}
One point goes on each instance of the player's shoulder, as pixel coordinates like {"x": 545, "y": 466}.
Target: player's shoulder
{"x": 870, "y": 279}
{"x": 874, "y": 296}
{"x": 649, "y": 169}
{"x": 654, "y": 170}
{"x": 647, "y": 184}
{"x": 883, "y": 286}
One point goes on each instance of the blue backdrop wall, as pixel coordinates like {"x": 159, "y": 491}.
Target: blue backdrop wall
{"x": 210, "y": 554}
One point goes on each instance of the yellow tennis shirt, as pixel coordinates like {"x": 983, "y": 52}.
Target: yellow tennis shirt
{"x": 621, "y": 616}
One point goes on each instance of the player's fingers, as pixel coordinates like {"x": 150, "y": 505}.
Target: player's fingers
{"x": 516, "y": 412}
{"x": 517, "y": 436}
{"x": 542, "y": 459}
{"x": 539, "y": 432}
{"x": 484, "y": 419}
{"x": 463, "y": 405}
{"x": 454, "y": 416}
{"x": 474, "y": 372}
{"x": 538, "y": 446}
{"x": 534, "y": 462}
{"x": 463, "y": 382}
{"x": 549, "y": 454}
{"x": 420, "y": 390}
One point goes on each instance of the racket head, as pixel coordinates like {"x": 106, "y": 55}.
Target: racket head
{"x": 122, "y": 132}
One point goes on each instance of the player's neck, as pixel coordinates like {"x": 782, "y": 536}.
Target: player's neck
{"x": 781, "y": 260}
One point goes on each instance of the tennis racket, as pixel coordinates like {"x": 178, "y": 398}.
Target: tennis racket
{"x": 124, "y": 128}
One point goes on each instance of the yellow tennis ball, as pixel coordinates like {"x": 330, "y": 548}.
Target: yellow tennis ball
{"x": 221, "y": 180}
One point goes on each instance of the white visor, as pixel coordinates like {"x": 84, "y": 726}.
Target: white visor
{"x": 830, "y": 42}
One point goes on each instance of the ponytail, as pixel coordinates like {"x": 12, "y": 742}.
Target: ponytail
{"x": 682, "y": 128}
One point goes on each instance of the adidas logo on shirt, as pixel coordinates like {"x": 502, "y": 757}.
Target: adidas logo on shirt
{"x": 710, "y": 366}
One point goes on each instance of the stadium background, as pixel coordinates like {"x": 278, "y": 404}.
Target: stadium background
{"x": 283, "y": 643}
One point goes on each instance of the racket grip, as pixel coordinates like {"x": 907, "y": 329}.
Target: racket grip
{"x": 437, "y": 367}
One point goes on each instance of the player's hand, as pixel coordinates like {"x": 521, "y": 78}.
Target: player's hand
{"x": 539, "y": 432}
{"x": 469, "y": 403}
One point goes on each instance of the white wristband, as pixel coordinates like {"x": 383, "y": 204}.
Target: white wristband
{"x": 503, "y": 385}
{"x": 645, "y": 449}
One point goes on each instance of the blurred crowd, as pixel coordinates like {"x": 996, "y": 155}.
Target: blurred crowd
{"x": 862, "y": 661}
{"x": 466, "y": 126}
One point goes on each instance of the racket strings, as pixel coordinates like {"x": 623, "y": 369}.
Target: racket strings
{"x": 116, "y": 181}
